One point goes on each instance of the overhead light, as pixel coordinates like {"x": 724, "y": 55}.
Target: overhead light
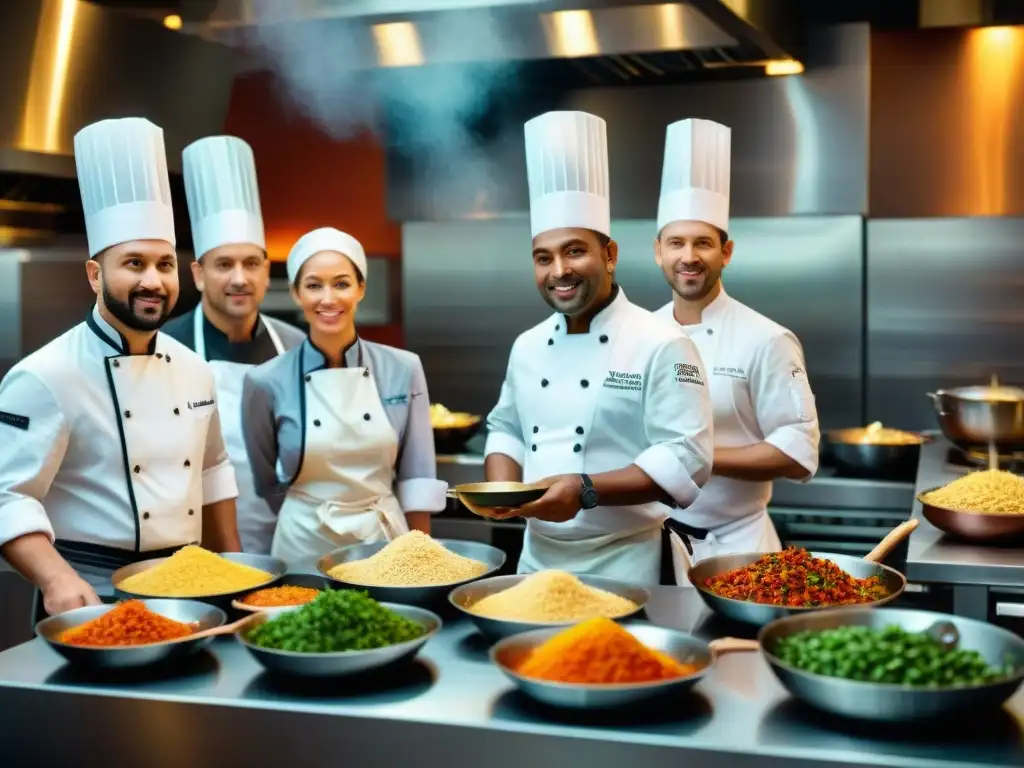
{"x": 783, "y": 67}
{"x": 398, "y": 44}
{"x": 173, "y": 21}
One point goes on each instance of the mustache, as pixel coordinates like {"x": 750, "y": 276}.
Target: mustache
{"x": 566, "y": 283}
{"x": 146, "y": 294}
{"x": 690, "y": 266}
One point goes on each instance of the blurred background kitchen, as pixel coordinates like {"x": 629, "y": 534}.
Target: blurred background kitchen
{"x": 877, "y": 188}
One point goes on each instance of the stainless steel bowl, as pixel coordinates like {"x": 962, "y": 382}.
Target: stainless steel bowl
{"x": 973, "y": 526}
{"x": 344, "y": 662}
{"x": 873, "y": 460}
{"x": 202, "y": 615}
{"x": 971, "y": 422}
{"x": 889, "y": 702}
{"x": 687, "y": 649}
{"x": 272, "y": 565}
{"x": 312, "y": 580}
{"x": 464, "y": 597}
{"x": 492, "y": 557}
{"x": 759, "y": 614}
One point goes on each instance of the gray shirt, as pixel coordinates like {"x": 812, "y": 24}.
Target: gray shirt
{"x": 274, "y": 419}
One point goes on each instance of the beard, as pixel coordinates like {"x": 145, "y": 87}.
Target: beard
{"x": 575, "y": 304}
{"x": 693, "y": 287}
{"x": 138, "y": 320}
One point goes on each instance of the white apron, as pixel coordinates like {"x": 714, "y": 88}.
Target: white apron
{"x": 741, "y": 505}
{"x": 632, "y": 557}
{"x": 343, "y": 492}
{"x": 256, "y": 520}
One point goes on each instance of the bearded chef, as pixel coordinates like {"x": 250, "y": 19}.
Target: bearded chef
{"x": 766, "y": 424}
{"x": 602, "y": 401}
{"x": 112, "y": 447}
{"x": 232, "y": 273}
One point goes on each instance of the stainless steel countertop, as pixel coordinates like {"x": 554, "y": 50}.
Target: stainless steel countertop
{"x": 934, "y": 557}
{"x": 453, "y": 705}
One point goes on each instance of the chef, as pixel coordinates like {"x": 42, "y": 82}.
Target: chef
{"x": 766, "y": 424}
{"x": 112, "y": 447}
{"x": 602, "y": 401}
{"x": 347, "y": 420}
{"x": 232, "y": 273}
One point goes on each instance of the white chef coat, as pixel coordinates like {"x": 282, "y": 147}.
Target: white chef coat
{"x": 760, "y": 393}
{"x": 113, "y": 451}
{"x": 630, "y": 391}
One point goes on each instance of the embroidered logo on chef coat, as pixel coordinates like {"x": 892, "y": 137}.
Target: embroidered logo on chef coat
{"x": 798, "y": 372}
{"x": 197, "y": 404}
{"x": 14, "y": 420}
{"x": 687, "y": 373}
{"x": 734, "y": 373}
{"x": 633, "y": 382}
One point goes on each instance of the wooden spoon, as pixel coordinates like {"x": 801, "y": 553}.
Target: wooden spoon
{"x": 894, "y": 537}
{"x": 224, "y": 629}
{"x": 732, "y": 645}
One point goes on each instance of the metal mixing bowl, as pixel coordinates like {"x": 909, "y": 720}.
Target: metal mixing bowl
{"x": 340, "y": 663}
{"x": 889, "y": 702}
{"x": 759, "y": 614}
{"x": 687, "y": 649}
{"x": 272, "y": 565}
{"x": 492, "y": 557}
{"x": 971, "y": 422}
{"x": 314, "y": 581}
{"x": 202, "y": 615}
{"x": 466, "y": 596}
{"x": 973, "y": 526}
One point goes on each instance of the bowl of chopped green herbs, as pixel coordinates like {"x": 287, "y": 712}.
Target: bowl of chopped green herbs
{"x": 340, "y": 632}
{"x": 894, "y": 665}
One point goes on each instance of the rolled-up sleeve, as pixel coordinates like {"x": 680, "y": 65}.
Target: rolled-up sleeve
{"x": 677, "y": 420}
{"x": 218, "y": 474}
{"x": 504, "y": 433}
{"x": 34, "y": 434}
{"x": 259, "y": 431}
{"x": 417, "y": 486}
{"x": 786, "y": 411}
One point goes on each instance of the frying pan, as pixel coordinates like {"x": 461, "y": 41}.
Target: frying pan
{"x": 760, "y": 614}
{"x": 973, "y": 526}
{"x": 478, "y": 498}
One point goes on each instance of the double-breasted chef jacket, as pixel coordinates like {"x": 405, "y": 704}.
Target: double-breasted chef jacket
{"x": 230, "y": 362}
{"x": 760, "y": 392}
{"x": 110, "y": 454}
{"x": 377, "y": 459}
{"x": 630, "y": 391}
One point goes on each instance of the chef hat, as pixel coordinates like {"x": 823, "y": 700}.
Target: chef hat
{"x": 695, "y": 174}
{"x": 567, "y": 169}
{"x": 122, "y": 175}
{"x": 325, "y": 239}
{"x": 223, "y": 197}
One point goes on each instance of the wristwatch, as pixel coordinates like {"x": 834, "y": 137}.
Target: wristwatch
{"x": 588, "y": 493}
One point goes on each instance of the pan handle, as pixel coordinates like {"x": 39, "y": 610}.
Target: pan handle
{"x": 894, "y": 537}
{"x": 732, "y": 644}
{"x": 937, "y": 399}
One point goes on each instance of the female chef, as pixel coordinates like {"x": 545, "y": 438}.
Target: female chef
{"x": 348, "y": 420}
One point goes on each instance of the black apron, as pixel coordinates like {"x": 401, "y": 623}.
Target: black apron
{"x": 78, "y": 553}
{"x": 684, "y": 531}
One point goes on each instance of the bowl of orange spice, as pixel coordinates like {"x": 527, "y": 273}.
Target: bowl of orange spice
{"x": 130, "y": 634}
{"x": 292, "y": 589}
{"x": 599, "y": 663}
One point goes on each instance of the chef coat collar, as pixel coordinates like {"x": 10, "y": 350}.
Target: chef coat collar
{"x": 212, "y": 333}
{"x": 112, "y": 336}
{"x": 603, "y": 317}
{"x": 712, "y": 311}
{"x": 314, "y": 360}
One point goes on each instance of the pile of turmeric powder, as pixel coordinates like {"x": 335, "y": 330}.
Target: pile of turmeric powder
{"x": 599, "y": 651}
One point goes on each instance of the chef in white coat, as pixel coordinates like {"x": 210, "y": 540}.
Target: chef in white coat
{"x": 766, "y": 424}
{"x": 348, "y": 420}
{"x": 232, "y": 273}
{"x": 112, "y": 447}
{"x": 602, "y": 401}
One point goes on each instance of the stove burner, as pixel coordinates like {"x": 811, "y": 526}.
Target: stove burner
{"x": 1012, "y": 462}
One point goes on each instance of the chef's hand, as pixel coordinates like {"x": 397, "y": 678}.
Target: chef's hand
{"x": 67, "y": 592}
{"x": 559, "y": 504}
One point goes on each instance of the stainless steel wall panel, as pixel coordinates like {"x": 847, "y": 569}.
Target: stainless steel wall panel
{"x": 945, "y": 308}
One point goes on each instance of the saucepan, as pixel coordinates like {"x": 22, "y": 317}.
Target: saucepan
{"x": 876, "y": 452}
{"x": 760, "y": 614}
{"x": 452, "y": 429}
{"x": 973, "y": 418}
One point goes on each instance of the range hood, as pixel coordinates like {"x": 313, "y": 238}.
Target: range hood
{"x": 68, "y": 63}
{"x": 598, "y": 40}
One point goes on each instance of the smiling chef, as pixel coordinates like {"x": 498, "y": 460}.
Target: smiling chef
{"x": 232, "y": 272}
{"x": 602, "y": 395}
{"x": 112, "y": 447}
{"x": 766, "y": 424}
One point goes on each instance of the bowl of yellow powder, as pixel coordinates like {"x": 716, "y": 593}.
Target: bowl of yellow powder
{"x": 502, "y": 606}
{"x": 413, "y": 569}
{"x": 198, "y": 574}
{"x": 983, "y": 506}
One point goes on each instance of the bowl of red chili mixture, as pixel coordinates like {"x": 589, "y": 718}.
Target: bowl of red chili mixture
{"x": 757, "y": 587}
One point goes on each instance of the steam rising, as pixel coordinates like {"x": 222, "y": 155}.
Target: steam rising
{"x": 330, "y": 71}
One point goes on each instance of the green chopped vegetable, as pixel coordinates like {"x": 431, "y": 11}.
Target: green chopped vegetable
{"x": 336, "y": 620}
{"x": 890, "y": 655}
